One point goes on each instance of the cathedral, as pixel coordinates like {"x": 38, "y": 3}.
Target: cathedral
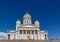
{"x": 27, "y": 30}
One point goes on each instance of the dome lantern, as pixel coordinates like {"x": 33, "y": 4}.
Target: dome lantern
{"x": 18, "y": 21}
{"x": 27, "y": 15}
{"x": 37, "y": 23}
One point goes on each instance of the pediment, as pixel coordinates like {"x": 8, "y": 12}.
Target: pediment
{"x": 28, "y": 26}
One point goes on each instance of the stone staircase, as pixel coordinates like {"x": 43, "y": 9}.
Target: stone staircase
{"x": 29, "y": 40}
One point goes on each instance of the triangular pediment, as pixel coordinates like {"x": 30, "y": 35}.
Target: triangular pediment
{"x": 28, "y": 26}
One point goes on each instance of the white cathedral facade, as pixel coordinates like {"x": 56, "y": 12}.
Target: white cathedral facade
{"x": 27, "y": 30}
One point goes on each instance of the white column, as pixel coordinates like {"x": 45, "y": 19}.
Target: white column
{"x": 22, "y": 31}
{"x": 38, "y": 35}
{"x": 22, "y": 34}
{"x": 30, "y": 34}
{"x": 19, "y": 35}
{"x": 26, "y": 34}
{"x": 34, "y": 33}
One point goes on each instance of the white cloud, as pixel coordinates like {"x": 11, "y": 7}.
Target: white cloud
{"x": 3, "y": 36}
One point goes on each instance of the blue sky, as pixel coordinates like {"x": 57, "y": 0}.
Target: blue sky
{"x": 46, "y": 11}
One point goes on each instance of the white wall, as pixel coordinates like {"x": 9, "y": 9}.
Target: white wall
{"x": 12, "y": 36}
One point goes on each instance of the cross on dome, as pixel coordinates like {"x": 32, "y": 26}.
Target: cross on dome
{"x": 36, "y": 20}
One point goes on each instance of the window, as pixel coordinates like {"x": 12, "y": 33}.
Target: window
{"x": 28, "y": 32}
{"x": 45, "y": 37}
{"x": 20, "y": 31}
{"x": 24, "y": 32}
{"x": 32, "y": 32}
{"x": 35, "y": 32}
